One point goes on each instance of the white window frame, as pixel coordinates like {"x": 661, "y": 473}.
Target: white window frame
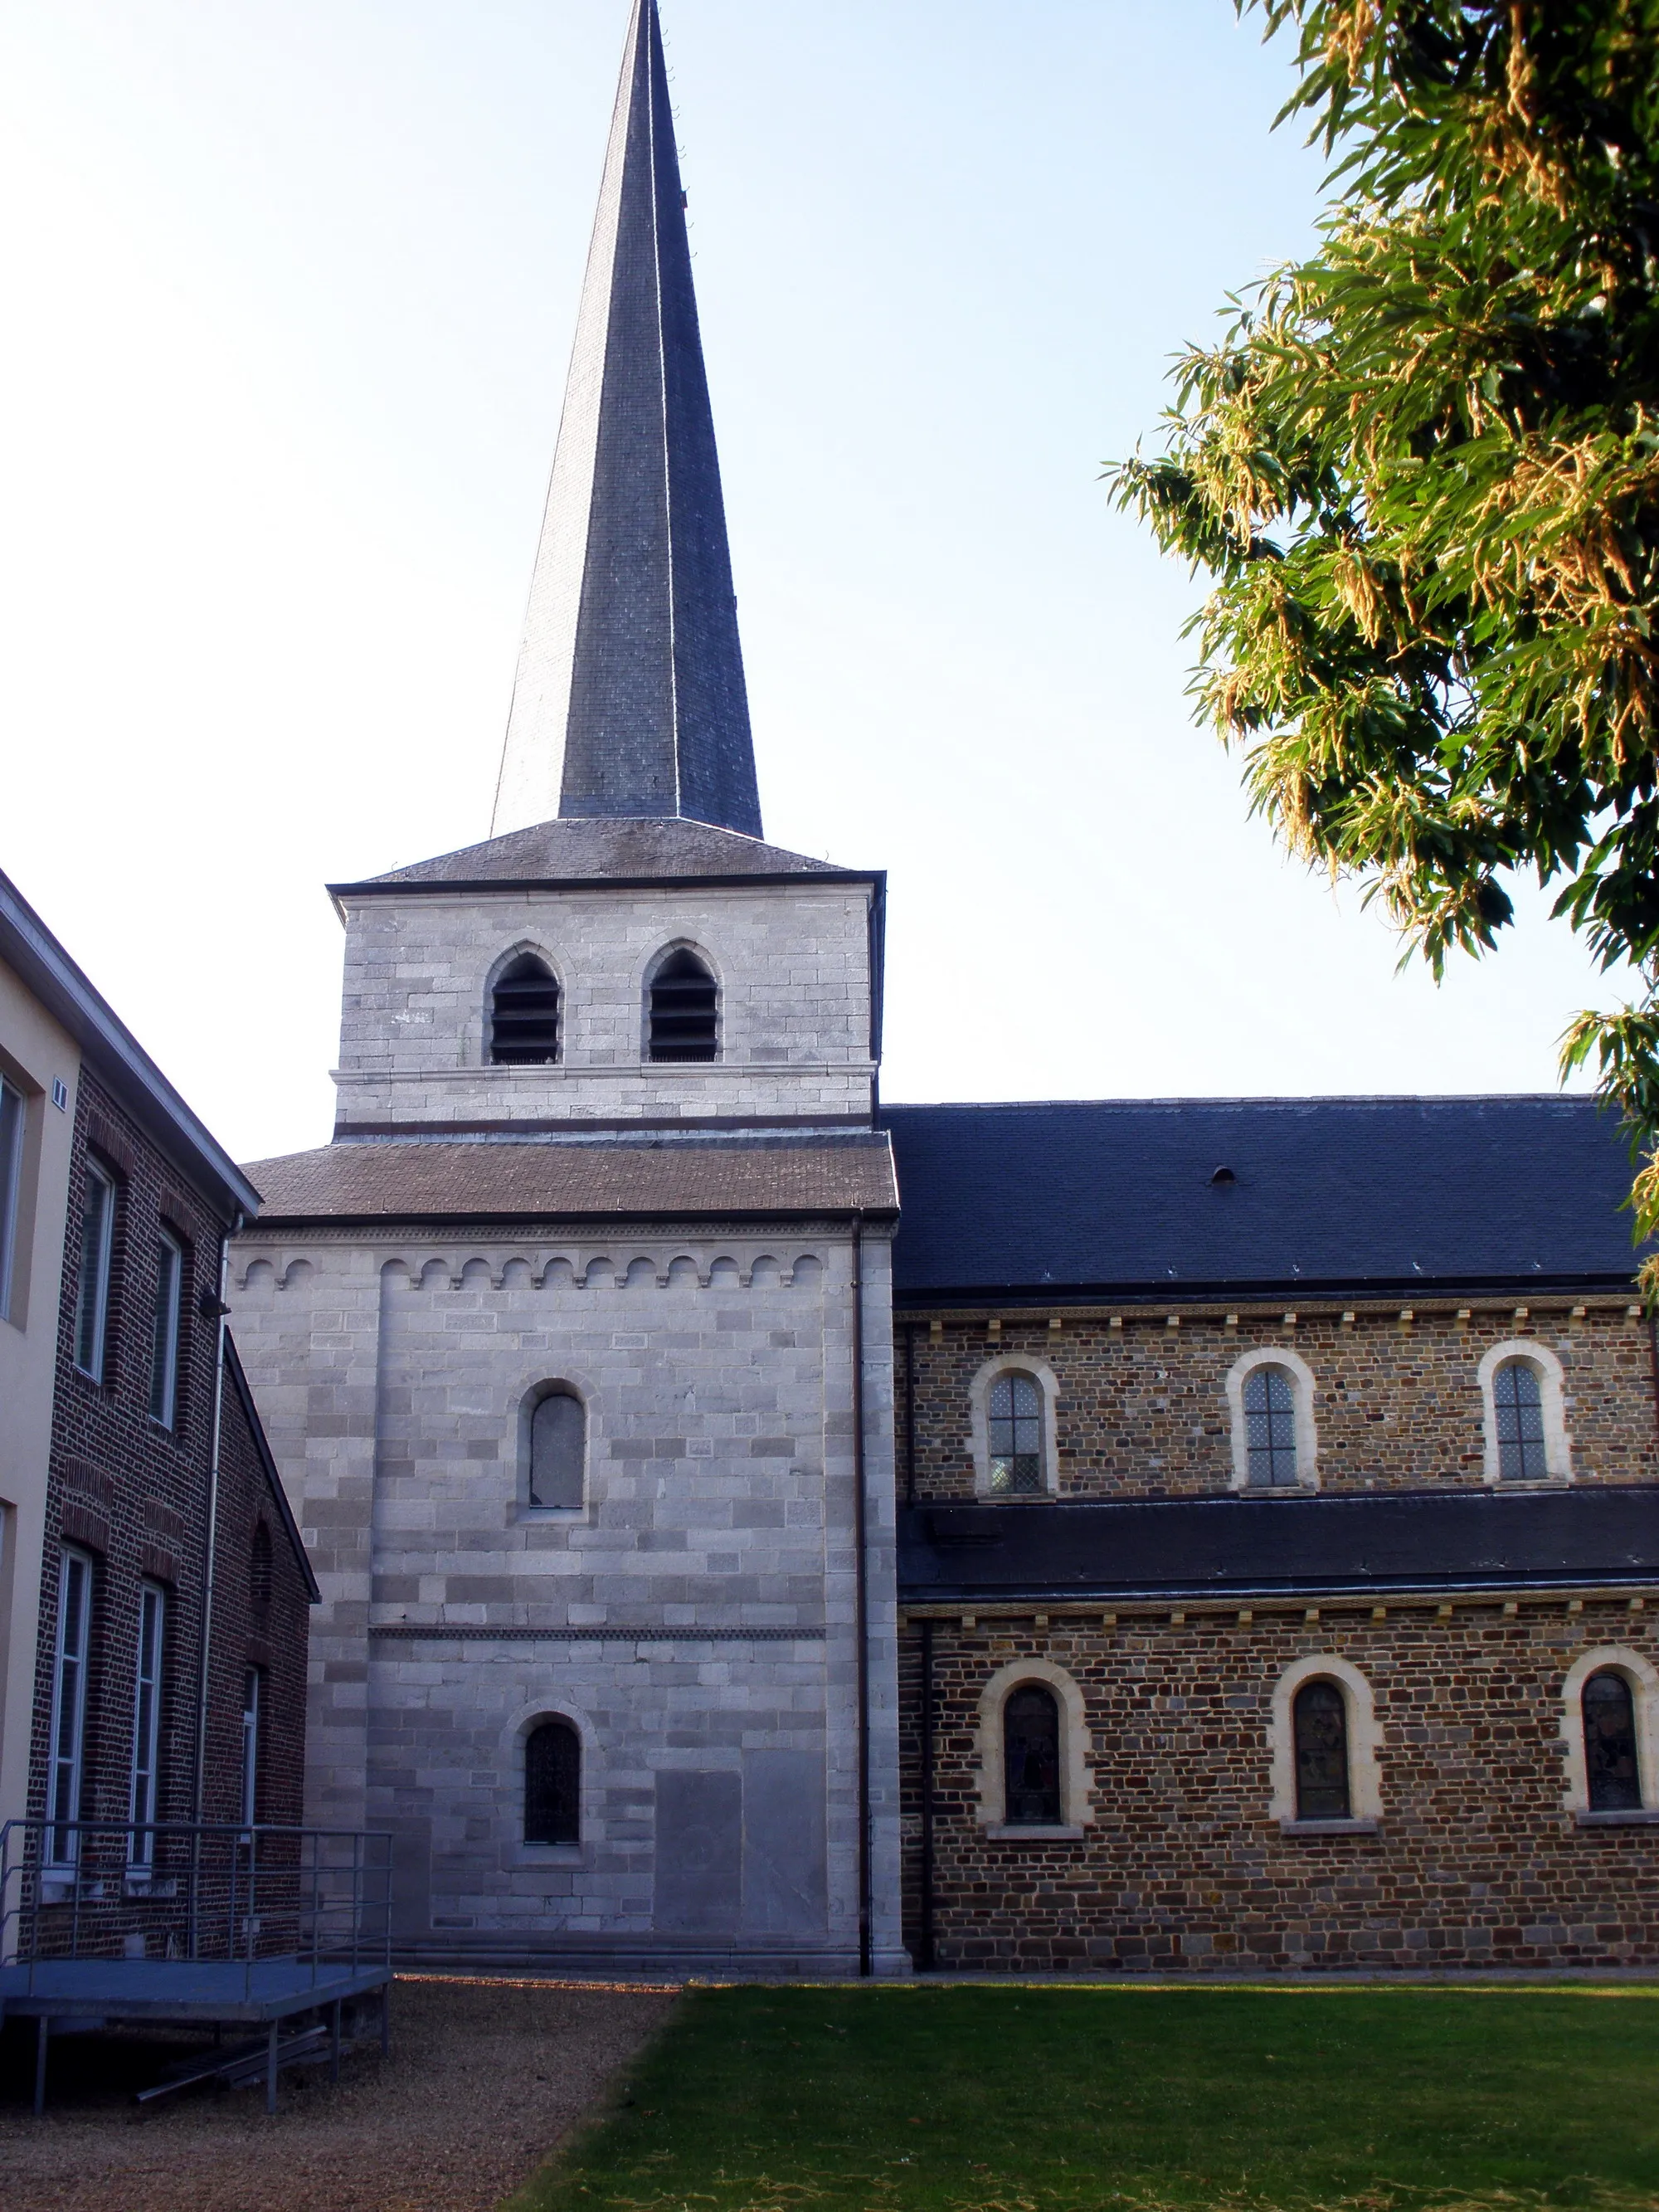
{"x": 1643, "y": 1676}
{"x": 979, "y": 1414}
{"x": 1307, "y": 1428}
{"x": 1557, "y": 1444}
{"x": 14, "y": 1116}
{"x": 1364, "y": 1746}
{"x": 92, "y": 1320}
{"x": 253, "y": 1699}
{"x": 144, "y": 1794}
{"x": 66, "y": 1744}
{"x": 1077, "y": 1811}
{"x": 164, "y": 1340}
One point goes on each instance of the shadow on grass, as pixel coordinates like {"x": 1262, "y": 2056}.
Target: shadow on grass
{"x": 1014, "y": 2100}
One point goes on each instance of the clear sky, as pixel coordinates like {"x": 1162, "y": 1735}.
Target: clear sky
{"x": 290, "y": 285}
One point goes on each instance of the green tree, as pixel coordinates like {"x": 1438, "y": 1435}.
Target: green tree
{"x": 1421, "y": 471}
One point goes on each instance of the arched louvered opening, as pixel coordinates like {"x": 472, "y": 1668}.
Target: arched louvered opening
{"x": 684, "y": 1009}
{"x": 1518, "y": 1402}
{"x": 552, "y": 1784}
{"x": 258, "y": 1573}
{"x": 1030, "y": 1757}
{"x": 1320, "y": 1716}
{"x": 1612, "y": 1770}
{"x": 524, "y": 1014}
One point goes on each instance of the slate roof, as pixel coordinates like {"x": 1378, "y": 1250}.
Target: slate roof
{"x": 1115, "y": 1199}
{"x": 641, "y": 850}
{"x": 1241, "y": 1546}
{"x": 630, "y": 697}
{"x": 433, "y": 1180}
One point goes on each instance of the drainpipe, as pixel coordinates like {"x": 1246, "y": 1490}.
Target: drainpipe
{"x": 219, "y": 1310}
{"x": 862, "y": 1586}
{"x": 927, "y": 1961}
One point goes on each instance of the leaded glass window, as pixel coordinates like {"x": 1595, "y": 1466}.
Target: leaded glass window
{"x": 1015, "y": 1425}
{"x": 1518, "y": 1401}
{"x": 558, "y": 1451}
{"x": 1030, "y": 1757}
{"x": 1321, "y": 1752}
{"x": 1270, "y": 1426}
{"x": 1610, "y": 1761}
{"x": 552, "y": 1784}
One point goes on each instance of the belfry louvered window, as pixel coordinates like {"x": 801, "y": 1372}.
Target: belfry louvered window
{"x": 1518, "y": 1402}
{"x": 524, "y": 1014}
{"x": 684, "y": 1009}
{"x": 1016, "y": 1436}
{"x": 1321, "y": 1752}
{"x": 1030, "y": 1757}
{"x": 1270, "y": 1426}
{"x": 552, "y": 1784}
{"x": 1612, "y": 1771}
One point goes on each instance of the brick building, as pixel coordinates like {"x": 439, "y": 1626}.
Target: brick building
{"x": 145, "y": 1523}
{"x": 759, "y": 1527}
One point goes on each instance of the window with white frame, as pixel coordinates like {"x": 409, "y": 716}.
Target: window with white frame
{"x": 92, "y": 1294}
{"x": 1524, "y": 1413}
{"x": 146, "y": 1724}
{"x": 11, "y": 1185}
{"x": 1034, "y": 1772}
{"x": 66, "y": 1773}
{"x": 1011, "y": 1406}
{"x": 1326, "y": 1742}
{"x": 1270, "y": 1399}
{"x": 253, "y": 1699}
{"x": 164, "y": 1333}
{"x": 1610, "y": 1732}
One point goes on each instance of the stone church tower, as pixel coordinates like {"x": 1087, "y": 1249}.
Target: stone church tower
{"x": 574, "y": 1346}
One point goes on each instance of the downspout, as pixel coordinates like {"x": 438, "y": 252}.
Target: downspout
{"x": 926, "y": 1947}
{"x": 219, "y": 1310}
{"x": 861, "y": 1580}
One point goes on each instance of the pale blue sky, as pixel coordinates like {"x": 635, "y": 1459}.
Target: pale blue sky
{"x": 290, "y": 285}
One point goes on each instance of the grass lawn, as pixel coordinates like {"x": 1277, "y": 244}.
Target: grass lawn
{"x": 1024, "y": 2100}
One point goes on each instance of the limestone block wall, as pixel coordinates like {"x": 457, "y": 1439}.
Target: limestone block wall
{"x": 693, "y": 1619}
{"x": 791, "y": 962}
{"x": 1478, "y": 1858}
{"x": 1141, "y": 1405}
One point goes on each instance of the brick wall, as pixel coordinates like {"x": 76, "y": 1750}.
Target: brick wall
{"x": 1476, "y": 1861}
{"x": 1142, "y": 1409}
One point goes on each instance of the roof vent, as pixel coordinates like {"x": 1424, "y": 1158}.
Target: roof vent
{"x": 1224, "y": 1174}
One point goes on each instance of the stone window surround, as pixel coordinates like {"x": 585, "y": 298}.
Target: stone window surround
{"x": 514, "y": 1737}
{"x": 1307, "y": 1431}
{"x": 1076, "y": 1780}
{"x": 979, "y": 1404}
{"x": 487, "y": 1012}
{"x": 1557, "y": 1444}
{"x": 647, "y": 974}
{"x": 1644, "y": 1679}
{"x": 1365, "y": 1743}
{"x": 545, "y": 1386}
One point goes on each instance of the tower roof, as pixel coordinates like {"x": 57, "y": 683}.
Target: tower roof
{"x": 629, "y": 698}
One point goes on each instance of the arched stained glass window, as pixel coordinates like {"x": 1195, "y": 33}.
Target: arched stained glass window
{"x": 1518, "y": 1401}
{"x": 684, "y": 1009}
{"x": 1016, "y": 1436}
{"x": 1030, "y": 1757}
{"x": 552, "y": 1784}
{"x": 1270, "y": 1426}
{"x": 1610, "y": 1762}
{"x": 1321, "y": 1752}
{"x": 524, "y": 1014}
{"x": 558, "y": 1450}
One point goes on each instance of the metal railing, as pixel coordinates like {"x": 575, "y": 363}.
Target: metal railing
{"x": 168, "y": 1893}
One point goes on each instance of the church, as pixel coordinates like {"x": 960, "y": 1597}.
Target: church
{"x": 765, "y": 1530}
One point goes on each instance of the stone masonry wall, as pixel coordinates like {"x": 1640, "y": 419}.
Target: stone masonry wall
{"x": 1477, "y": 1861}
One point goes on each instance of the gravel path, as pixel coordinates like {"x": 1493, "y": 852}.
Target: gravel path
{"x": 483, "y": 2080}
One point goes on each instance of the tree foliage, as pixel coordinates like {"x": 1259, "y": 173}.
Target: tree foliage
{"x": 1422, "y": 471}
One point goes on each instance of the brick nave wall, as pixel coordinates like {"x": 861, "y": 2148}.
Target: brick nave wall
{"x": 1142, "y": 1408}
{"x": 1476, "y": 1862}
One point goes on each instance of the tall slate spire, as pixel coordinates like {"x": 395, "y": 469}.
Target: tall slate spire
{"x": 629, "y": 698}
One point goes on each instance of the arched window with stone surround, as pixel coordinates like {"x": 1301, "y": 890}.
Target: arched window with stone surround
{"x": 1321, "y": 1717}
{"x": 1613, "y": 1772}
{"x": 683, "y": 1014}
{"x": 558, "y": 1451}
{"x": 1270, "y": 1427}
{"x": 524, "y": 1014}
{"x": 1015, "y": 1418}
{"x": 1518, "y": 1400}
{"x": 1030, "y": 1757}
{"x": 552, "y": 1784}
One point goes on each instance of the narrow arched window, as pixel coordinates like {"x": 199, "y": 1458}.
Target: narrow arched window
{"x": 558, "y": 1450}
{"x": 1016, "y": 1435}
{"x": 1321, "y": 1752}
{"x": 1030, "y": 1757}
{"x": 259, "y": 1570}
{"x": 684, "y": 1009}
{"x": 1270, "y": 1426}
{"x": 1518, "y": 1402}
{"x": 523, "y": 1013}
{"x": 552, "y": 1784}
{"x": 1611, "y": 1769}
